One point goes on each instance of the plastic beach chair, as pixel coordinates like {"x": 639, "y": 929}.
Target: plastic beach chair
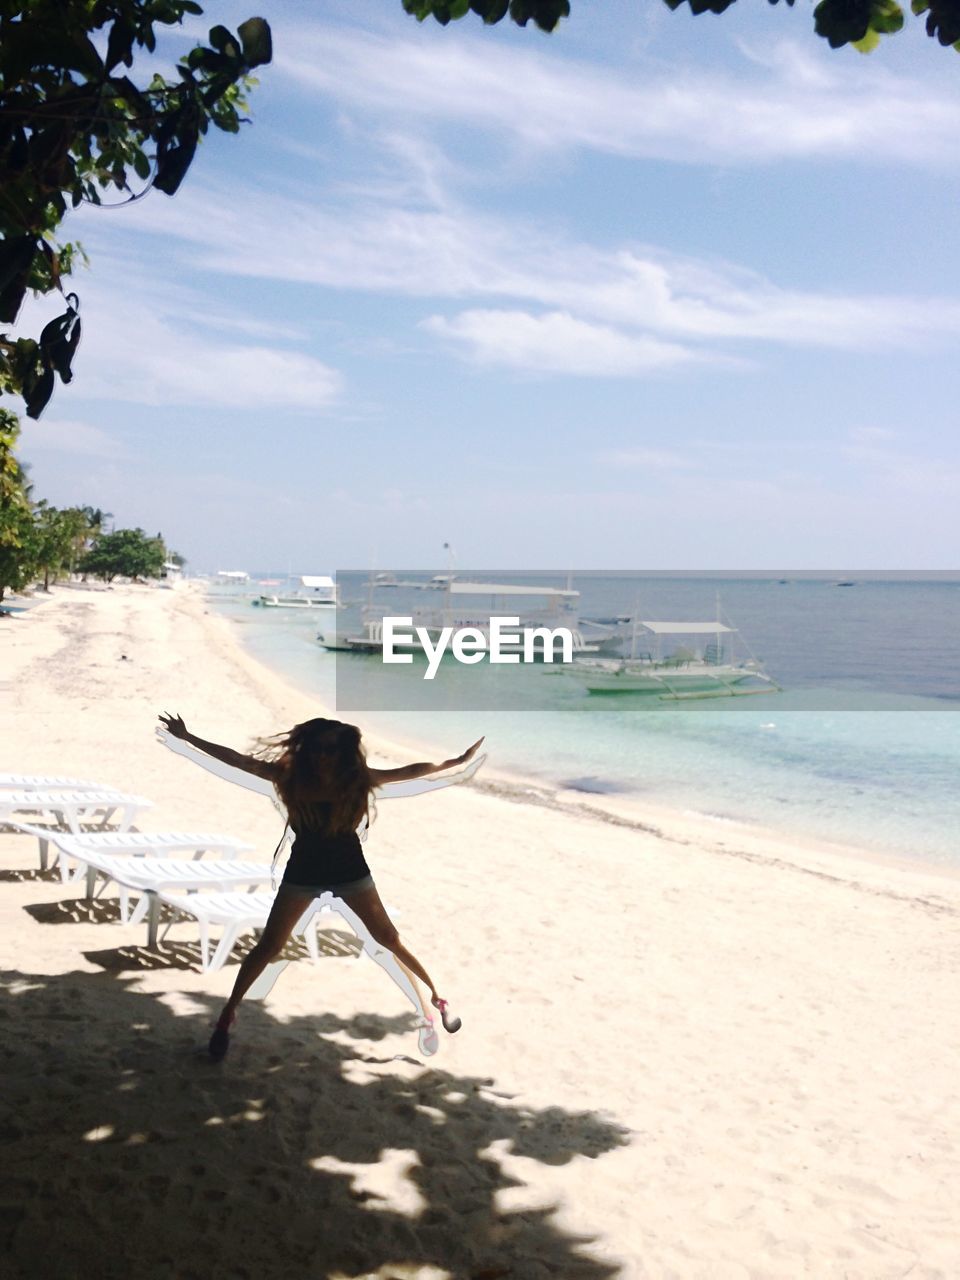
{"x": 72, "y": 810}
{"x": 235, "y": 914}
{"x": 150, "y": 877}
{"x": 90, "y": 845}
{"x": 45, "y": 782}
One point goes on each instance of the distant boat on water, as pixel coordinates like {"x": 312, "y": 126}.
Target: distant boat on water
{"x": 684, "y": 672}
{"x": 535, "y": 606}
{"x": 317, "y": 592}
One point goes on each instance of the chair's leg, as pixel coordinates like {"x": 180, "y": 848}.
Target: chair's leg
{"x": 140, "y": 910}
{"x": 124, "y": 904}
{"x": 91, "y": 880}
{"x": 224, "y": 947}
{"x": 153, "y": 920}
{"x": 44, "y": 852}
{"x": 204, "y": 945}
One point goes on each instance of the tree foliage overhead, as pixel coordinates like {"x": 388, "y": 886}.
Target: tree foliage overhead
{"x": 857, "y": 22}
{"x": 76, "y": 128}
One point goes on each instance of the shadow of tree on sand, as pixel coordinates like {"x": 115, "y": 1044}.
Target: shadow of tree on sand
{"x": 127, "y": 1152}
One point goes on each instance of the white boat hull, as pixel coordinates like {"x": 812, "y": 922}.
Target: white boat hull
{"x": 663, "y": 680}
{"x": 293, "y": 602}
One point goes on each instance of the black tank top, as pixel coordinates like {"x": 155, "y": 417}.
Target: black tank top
{"x": 322, "y": 857}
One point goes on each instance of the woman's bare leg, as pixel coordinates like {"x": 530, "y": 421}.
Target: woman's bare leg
{"x": 417, "y": 989}
{"x": 284, "y": 914}
{"x": 373, "y": 913}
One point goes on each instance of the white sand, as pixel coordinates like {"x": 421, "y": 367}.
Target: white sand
{"x": 700, "y": 1052}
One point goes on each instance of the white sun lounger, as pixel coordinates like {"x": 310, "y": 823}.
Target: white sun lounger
{"x": 149, "y": 877}
{"x": 45, "y": 782}
{"x": 235, "y": 914}
{"x": 239, "y": 913}
{"x": 73, "y": 809}
{"x": 90, "y": 844}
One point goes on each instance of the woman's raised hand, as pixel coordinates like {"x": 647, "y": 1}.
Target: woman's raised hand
{"x": 174, "y": 725}
{"x": 469, "y": 753}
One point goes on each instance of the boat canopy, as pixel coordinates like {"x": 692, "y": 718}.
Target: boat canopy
{"x": 313, "y": 580}
{"x": 492, "y": 589}
{"x": 684, "y": 628}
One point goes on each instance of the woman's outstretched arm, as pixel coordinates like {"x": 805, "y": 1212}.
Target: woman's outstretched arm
{"x": 409, "y": 771}
{"x": 250, "y": 764}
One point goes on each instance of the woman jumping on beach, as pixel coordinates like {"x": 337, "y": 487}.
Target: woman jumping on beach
{"x": 320, "y": 772}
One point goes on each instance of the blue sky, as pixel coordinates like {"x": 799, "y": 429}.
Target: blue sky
{"x": 651, "y": 292}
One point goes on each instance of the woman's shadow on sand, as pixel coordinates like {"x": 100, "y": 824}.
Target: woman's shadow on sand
{"x": 127, "y": 1152}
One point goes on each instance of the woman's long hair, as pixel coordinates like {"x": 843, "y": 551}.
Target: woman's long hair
{"x": 322, "y": 778}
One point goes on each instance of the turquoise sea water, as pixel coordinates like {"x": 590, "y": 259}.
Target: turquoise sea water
{"x": 861, "y": 747}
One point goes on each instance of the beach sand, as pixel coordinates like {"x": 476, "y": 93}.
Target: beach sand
{"x": 689, "y": 1049}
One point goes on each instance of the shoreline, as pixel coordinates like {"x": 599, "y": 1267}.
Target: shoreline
{"x": 809, "y": 853}
{"x": 672, "y": 1062}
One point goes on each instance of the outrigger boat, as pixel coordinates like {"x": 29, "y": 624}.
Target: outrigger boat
{"x": 320, "y": 592}
{"x": 683, "y": 673}
{"x": 546, "y": 607}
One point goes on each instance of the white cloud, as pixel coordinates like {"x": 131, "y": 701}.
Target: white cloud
{"x": 146, "y": 342}
{"x": 173, "y": 369}
{"x": 462, "y": 254}
{"x": 791, "y": 104}
{"x": 68, "y": 436}
{"x": 556, "y": 342}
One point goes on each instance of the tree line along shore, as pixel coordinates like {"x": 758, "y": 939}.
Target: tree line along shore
{"x": 41, "y": 543}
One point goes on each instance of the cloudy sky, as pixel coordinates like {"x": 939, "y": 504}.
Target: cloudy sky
{"x": 651, "y": 292}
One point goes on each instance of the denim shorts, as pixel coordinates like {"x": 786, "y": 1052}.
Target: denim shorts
{"x": 342, "y": 890}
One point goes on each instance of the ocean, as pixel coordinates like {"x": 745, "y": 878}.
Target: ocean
{"x": 861, "y": 746}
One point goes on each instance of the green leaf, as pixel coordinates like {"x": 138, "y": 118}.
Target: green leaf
{"x": 224, "y": 42}
{"x": 886, "y": 17}
{"x": 125, "y": 89}
{"x": 119, "y": 45}
{"x": 59, "y": 341}
{"x": 257, "y": 41}
{"x": 38, "y": 392}
{"x": 868, "y": 43}
{"x": 16, "y": 256}
{"x": 174, "y": 155}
